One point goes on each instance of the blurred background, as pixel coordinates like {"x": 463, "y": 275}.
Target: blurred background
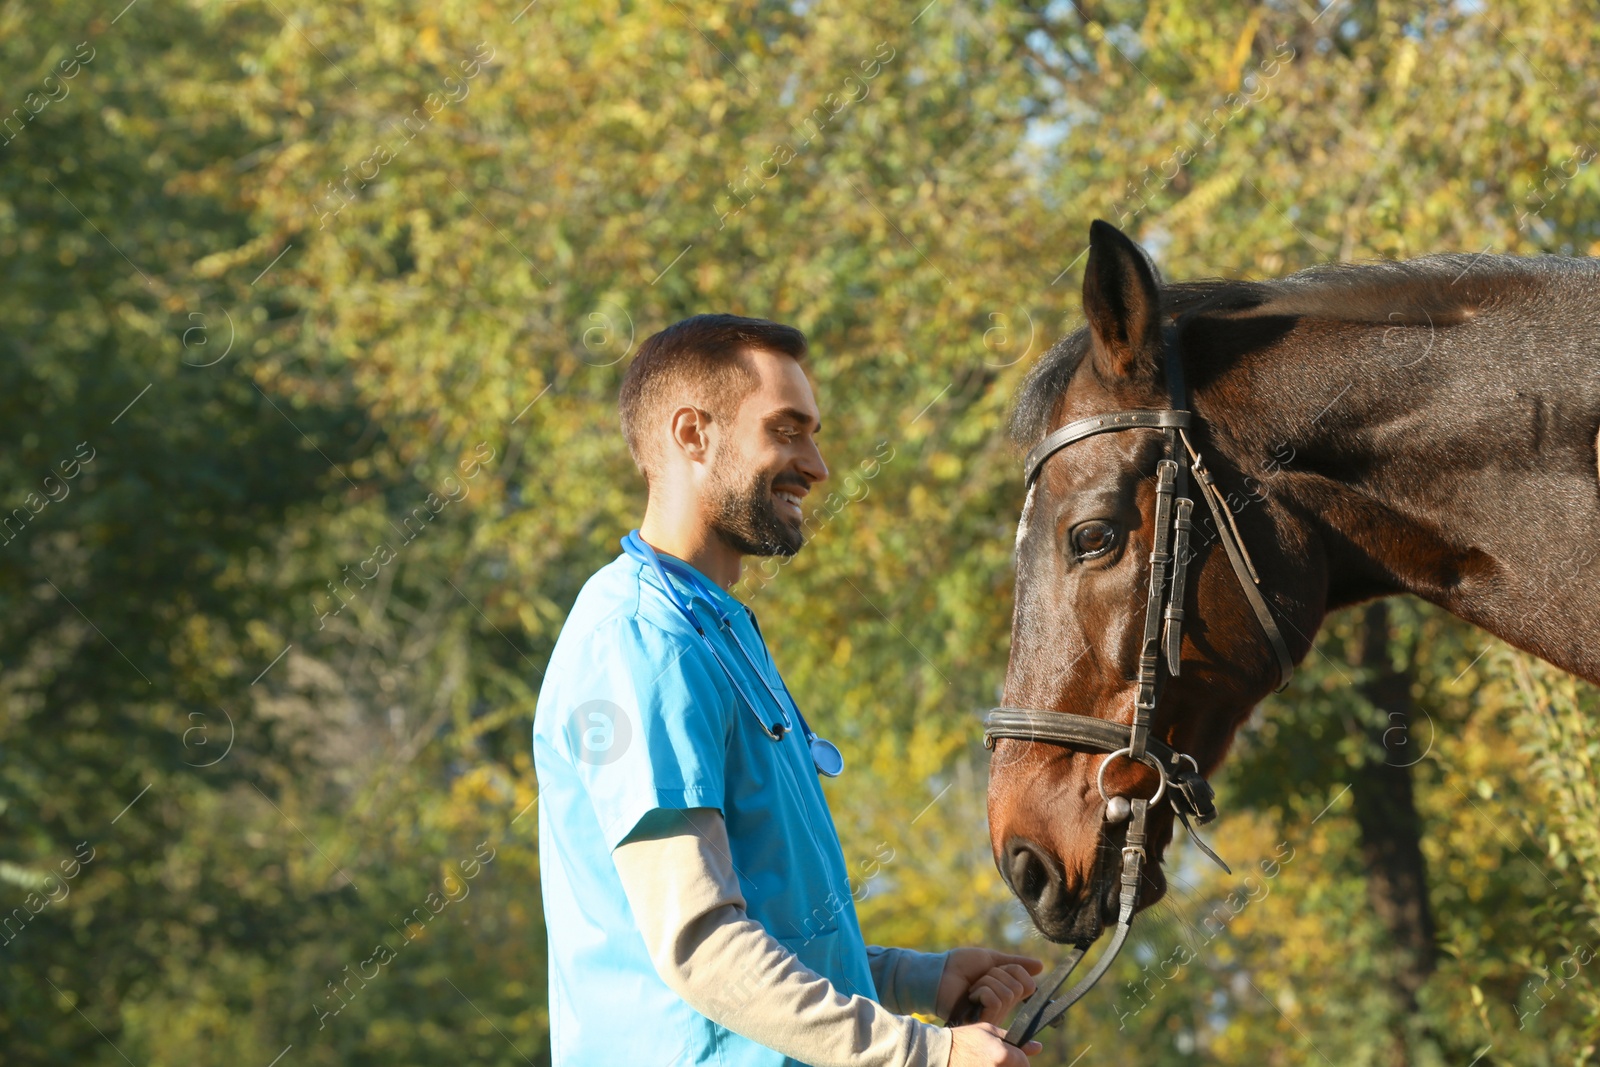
{"x": 313, "y": 321}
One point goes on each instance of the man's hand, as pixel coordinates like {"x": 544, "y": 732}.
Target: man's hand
{"x": 996, "y": 981}
{"x": 983, "y": 1045}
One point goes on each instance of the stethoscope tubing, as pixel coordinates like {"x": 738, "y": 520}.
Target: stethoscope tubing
{"x": 824, "y": 754}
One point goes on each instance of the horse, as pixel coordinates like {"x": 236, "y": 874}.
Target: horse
{"x": 1426, "y": 426}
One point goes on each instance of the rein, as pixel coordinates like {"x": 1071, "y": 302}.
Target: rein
{"x": 1190, "y": 794}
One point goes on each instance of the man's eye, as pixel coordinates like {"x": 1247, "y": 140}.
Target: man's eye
{"x": 1093, "y": 539}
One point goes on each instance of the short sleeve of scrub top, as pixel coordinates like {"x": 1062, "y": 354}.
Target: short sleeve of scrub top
{"x": 650, "y": 724}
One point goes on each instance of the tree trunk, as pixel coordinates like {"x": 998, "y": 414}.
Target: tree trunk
{"x": 1385, "y": 811}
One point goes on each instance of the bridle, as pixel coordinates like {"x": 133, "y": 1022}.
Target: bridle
{"x": 1189, "y": 793}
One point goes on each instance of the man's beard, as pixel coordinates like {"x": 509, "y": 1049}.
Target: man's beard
{"x": 745, "y": 516}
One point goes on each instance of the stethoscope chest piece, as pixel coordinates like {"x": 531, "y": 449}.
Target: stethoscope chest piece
{"x": 825, "y": 754}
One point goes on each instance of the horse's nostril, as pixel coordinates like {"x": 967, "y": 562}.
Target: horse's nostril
{"x": 1027, "y": 873}
{"x": 1031, "y": 874}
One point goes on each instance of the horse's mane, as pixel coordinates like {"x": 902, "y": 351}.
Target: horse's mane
{"x": 1443, "y": 289}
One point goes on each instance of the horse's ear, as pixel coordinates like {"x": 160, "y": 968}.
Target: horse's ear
{"x": 1122, "y": 300}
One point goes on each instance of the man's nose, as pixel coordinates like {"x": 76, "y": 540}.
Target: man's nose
{"x": 812, "y": 466}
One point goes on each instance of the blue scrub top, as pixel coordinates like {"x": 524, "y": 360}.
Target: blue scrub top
{"x": 634, "y": 716}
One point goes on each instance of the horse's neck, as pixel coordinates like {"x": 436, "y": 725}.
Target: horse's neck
{"x": 1458, "y": 464}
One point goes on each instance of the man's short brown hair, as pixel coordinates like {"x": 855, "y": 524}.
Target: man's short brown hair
{"x": 699, "y": 361}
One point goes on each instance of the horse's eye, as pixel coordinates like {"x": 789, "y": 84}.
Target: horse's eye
{"x": 1093, "y": 539}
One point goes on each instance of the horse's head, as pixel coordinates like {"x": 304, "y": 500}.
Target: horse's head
{"x": 1083, "y": 577}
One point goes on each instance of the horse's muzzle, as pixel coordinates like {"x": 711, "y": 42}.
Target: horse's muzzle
{"x": 1061, "y": 913}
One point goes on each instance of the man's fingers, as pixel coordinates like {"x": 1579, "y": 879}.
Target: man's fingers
{"x": 1002, "y": 988}
{"x": 1010, "y": 979}
{"x": 1024, "y": 979}
{"x": 1028, "y": 963}
{"x": 1005, "y": 987}
{"x": 996, "y": 1005}
{"x": 984, "y": 991}
{"x": 1010, "y": 985}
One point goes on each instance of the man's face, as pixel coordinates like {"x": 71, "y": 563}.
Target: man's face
{"x": 766, "y": 461}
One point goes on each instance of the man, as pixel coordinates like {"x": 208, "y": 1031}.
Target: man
{"x": 696, "y": 896}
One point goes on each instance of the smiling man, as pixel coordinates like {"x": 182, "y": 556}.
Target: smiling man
{"x": 696, "y": 896}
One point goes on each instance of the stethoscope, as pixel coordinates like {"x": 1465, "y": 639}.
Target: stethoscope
{"x": 824, "y": 754}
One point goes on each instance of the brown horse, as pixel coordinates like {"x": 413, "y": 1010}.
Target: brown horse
{"x": 1424, "y": 427}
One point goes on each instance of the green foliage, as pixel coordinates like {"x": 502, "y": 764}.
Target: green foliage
{"x": 339, "y": 297}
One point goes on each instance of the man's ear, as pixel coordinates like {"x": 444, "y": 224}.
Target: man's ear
{"x": 1122, "y": 301}
{"x": 690, "y": 431}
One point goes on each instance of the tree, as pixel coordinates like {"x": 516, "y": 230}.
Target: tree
{"x": 434, "y": 234}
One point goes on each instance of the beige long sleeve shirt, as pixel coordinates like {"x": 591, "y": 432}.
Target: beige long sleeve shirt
{"x": 681, "y": 886}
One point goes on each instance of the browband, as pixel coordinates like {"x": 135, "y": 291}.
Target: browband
{"x": 1078, "y": 429}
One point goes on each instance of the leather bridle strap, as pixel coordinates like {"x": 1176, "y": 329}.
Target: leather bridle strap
{"x": 1243, "y": 568}
{"x": 1074, "y": 731}
{"x": 1041, "y": 1010}
{"x": 1078, "y": 429}
{"x": 1144, "y": 700}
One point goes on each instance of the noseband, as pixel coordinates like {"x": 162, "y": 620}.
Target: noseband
{"x": 1183, "y": 786}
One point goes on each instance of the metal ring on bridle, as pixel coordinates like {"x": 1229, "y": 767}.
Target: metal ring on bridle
{"x": 1148, "y": 760}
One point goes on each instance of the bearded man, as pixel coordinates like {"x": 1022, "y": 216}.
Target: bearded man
{"x": 696, "y": 895}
